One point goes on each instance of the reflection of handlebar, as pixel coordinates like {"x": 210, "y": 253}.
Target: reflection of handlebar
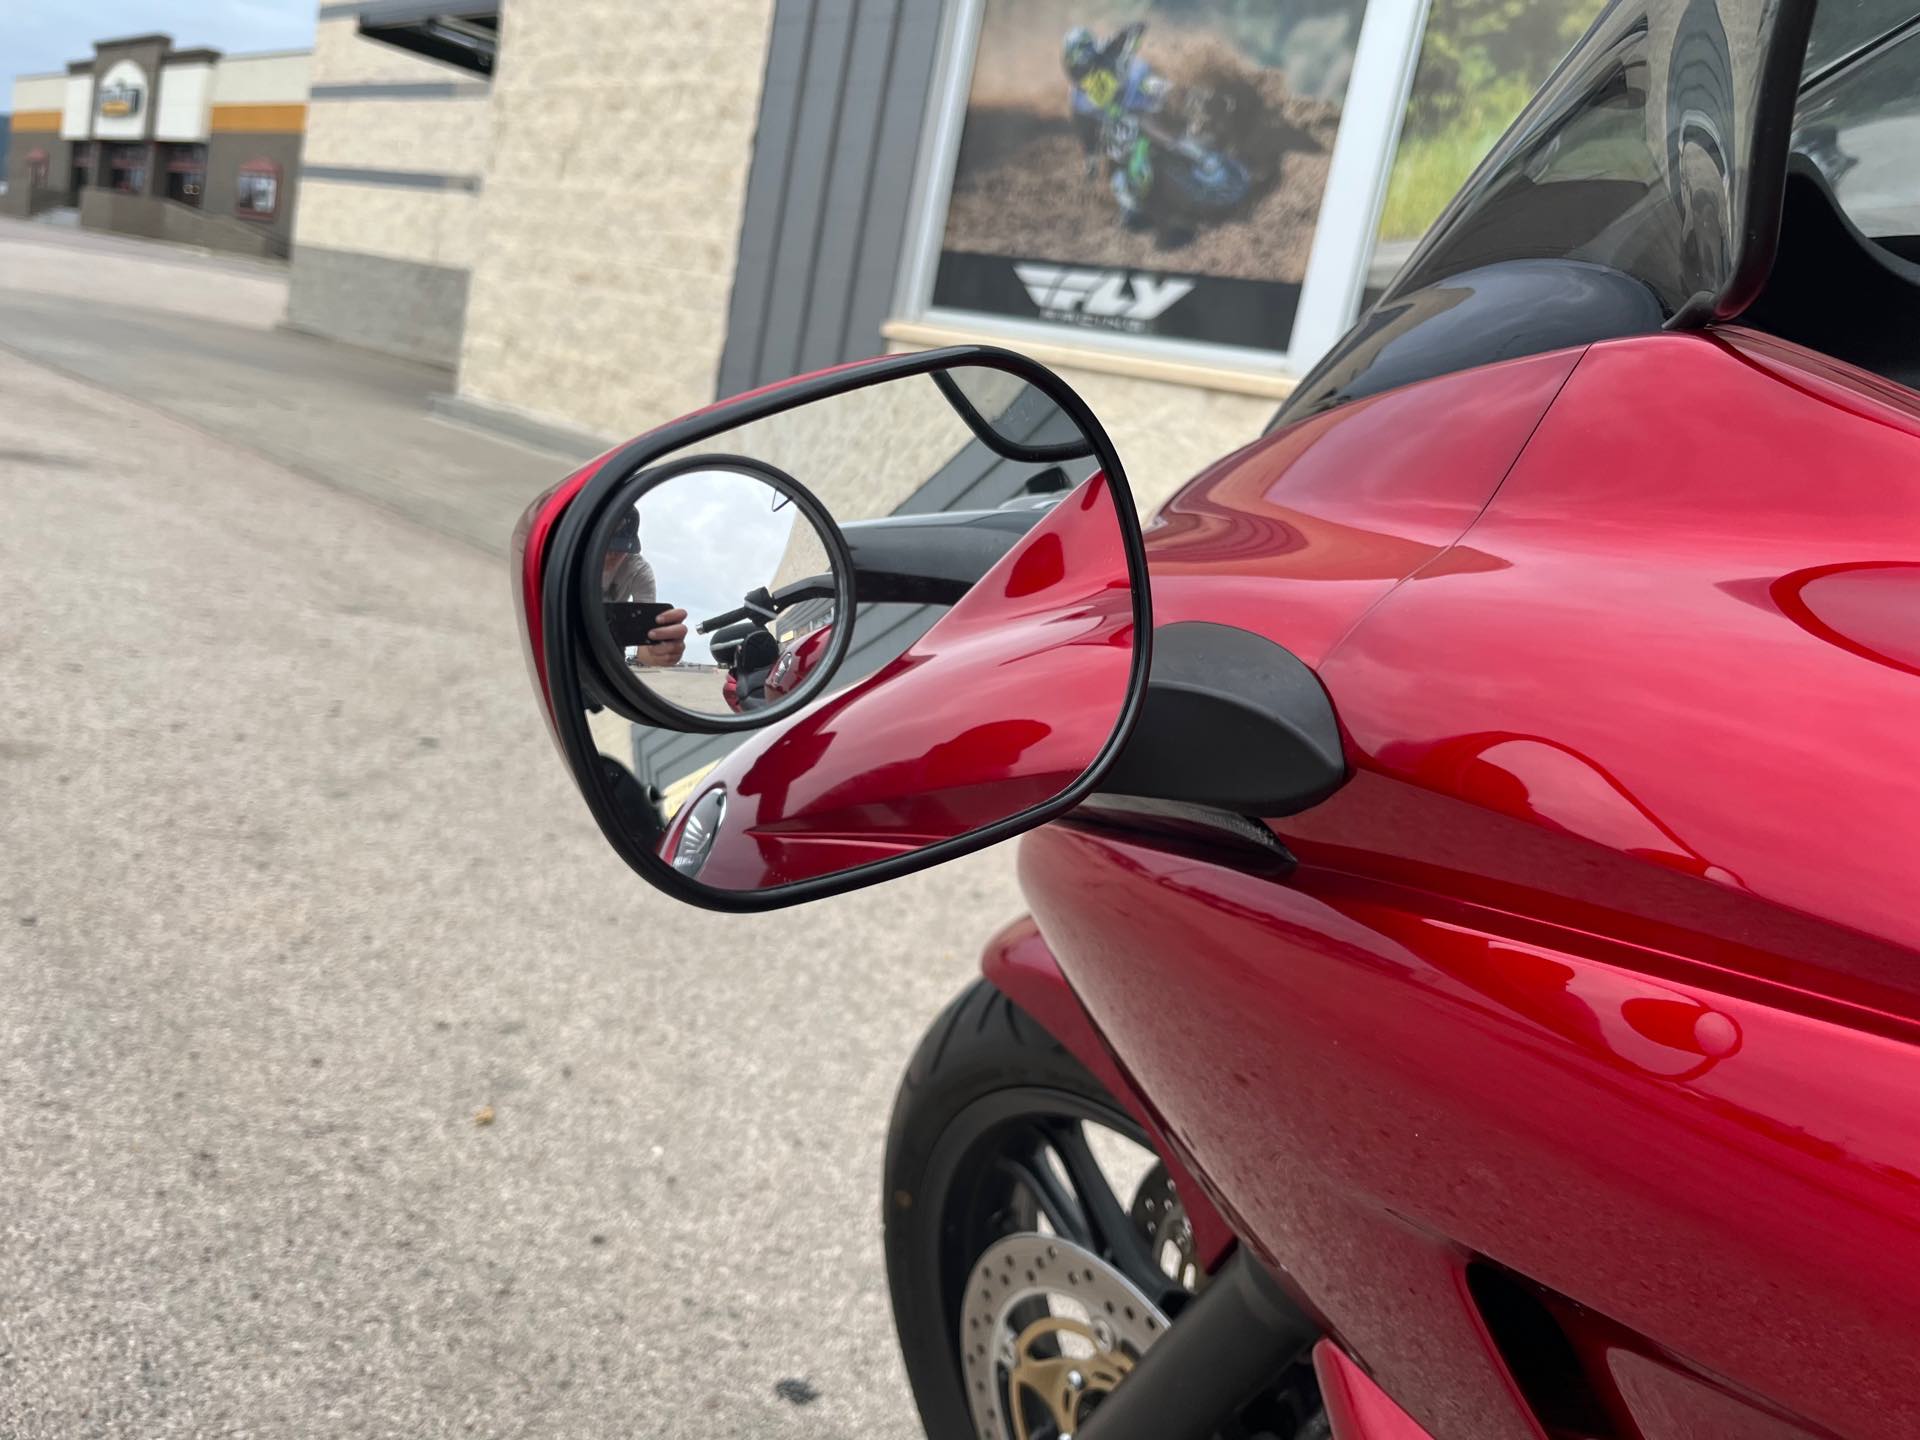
{"x": 762, "y": 605}
{"x": 734, "y": 634}
{"x": 759, "y": 607}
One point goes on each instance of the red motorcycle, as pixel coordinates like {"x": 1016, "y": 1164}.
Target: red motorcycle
{"x": 1473, "y": 983}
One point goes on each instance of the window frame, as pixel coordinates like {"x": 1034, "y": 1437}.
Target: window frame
{"x": 1385, "y": 53}
{"x": 188, "y": 159}
{"x": 260, "y": 165}
{"x": 131, "y": 158}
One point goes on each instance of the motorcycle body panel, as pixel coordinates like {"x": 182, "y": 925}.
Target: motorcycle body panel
{"x": 876, "y": 770}
{"x": 1603, "y": 972}
{"x": 1358, "y": 1409}
{"x": 1297, "y": 535}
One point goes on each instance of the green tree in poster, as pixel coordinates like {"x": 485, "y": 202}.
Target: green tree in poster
{"x": 1480, "y": 62}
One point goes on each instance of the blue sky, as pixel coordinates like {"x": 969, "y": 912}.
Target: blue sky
{"x": 42, "y": 35}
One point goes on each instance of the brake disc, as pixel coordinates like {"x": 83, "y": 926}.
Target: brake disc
{"x": 1047, "y": 1330}
{"x": 1161, "y": 1219}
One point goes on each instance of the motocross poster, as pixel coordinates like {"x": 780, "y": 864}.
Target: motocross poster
{"x": 1146, "y": 167}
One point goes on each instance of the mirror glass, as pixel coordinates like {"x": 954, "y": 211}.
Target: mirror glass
{"x": 974, "y": 664}
{"x": 710, "y": 577}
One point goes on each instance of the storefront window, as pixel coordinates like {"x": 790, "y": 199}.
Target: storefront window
{"x": 127, "y": 169}
{"x": 37, "y": 167}
{"x": 186, "y": 173}
{"x": 1149, "y": 170}
{"x": 258, "y": 190}
{"x": 1480, "y": 62}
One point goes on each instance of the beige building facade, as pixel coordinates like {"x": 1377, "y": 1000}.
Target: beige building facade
{"x": 388, "y": 230}
{"x": 600, "y": 214}
{"x": 566, "y": 231}
{"x": 623, "y": 133}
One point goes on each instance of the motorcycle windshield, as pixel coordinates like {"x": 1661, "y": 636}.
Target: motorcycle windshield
{"x": 1657, "y": 149}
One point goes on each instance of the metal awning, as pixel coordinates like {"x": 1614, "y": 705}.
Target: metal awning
{"x": 466, "y": 35}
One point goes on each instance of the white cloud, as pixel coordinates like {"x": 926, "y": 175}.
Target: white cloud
{"x": 711, "y": 537}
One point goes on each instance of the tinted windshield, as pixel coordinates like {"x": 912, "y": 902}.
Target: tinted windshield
{"x": 1639, "y": 154}
{"x": 1861, "y": 126}
{"x": 1843, "y": 27}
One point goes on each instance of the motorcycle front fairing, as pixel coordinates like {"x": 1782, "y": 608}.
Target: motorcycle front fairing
{"x": 1641, "y": 189}
{"x": 1288, "y": 1033}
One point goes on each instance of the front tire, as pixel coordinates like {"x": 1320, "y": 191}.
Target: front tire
{"x": 994, "y": 1134}
{"x": 985, "y": 1066}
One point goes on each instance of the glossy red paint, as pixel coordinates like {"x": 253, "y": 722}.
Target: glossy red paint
{"x": 1042, "y": 649}
{"x": 1653, "y": 1396}
{"x": 1297, "y": 535}
{"x": 797, "y": 661}
{"x": 1357, "y": 1408}
{"x": 1605, "y": 965}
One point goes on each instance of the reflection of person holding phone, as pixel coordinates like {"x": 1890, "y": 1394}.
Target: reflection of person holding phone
{"x": 627, "y": 577}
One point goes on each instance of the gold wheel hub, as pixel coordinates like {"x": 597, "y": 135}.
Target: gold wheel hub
{"x": 1060, "y": 1379}
{"x": 1047, "y": 1331}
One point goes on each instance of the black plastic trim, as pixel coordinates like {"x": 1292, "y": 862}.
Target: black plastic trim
{"x": 1234, "y": 722}
{"x": 567, "y": 551}
{"x": 1479, "y": 317}
{"x": 931, "y": 559}
{"x": 1001, "y": 444}
{"x": 1174, "y": 824}
{"x": 1228, "y": 1344}
{"x": 1766, "y": 192}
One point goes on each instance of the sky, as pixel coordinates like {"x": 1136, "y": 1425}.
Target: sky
{"x": 712, "y": 536}
{"x": 41, "y": 35}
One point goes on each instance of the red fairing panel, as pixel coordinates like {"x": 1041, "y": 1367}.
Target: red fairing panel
{"x": 1604, "y": 964}
{"x": 1358, "y": 1409}
{"x": 1292, "y": 522}
{"x": 1040, "y": 651}
{"x": 1295, "y": 536}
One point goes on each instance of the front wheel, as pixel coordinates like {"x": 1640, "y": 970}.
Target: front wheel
{"x": 1035, "y": 1246}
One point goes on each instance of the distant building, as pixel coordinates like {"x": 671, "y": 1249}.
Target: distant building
{"x": 6, "y": 127}
{"x": 185, "y": 145}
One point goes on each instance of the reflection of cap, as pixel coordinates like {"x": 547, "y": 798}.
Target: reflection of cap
{"x": 626, "y": 534}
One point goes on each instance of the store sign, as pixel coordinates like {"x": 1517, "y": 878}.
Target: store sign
{"x": 1096, "y": 297}
{"x": 1149, "y": 178}
{"x": 122, "y": 89}
{"x": 1250, "y": 313}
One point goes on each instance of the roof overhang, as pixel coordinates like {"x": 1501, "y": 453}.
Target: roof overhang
{"x": 462, "y": 35}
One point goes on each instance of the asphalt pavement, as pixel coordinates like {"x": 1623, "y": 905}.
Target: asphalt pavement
{"x": 349, "y": 1086}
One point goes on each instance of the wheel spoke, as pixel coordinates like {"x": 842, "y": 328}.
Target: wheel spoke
{"x": 1113, "y": 1234}
{"x": 1055, "y": 1200}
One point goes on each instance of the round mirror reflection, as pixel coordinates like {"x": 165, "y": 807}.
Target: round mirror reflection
{"x": 718, "y": 592}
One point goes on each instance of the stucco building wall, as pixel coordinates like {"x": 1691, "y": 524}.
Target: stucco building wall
{"x": 386, "y": 237}
{"x": 622, "y": 137}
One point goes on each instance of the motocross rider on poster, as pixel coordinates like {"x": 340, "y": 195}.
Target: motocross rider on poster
{"x": 1112, "y": 89}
